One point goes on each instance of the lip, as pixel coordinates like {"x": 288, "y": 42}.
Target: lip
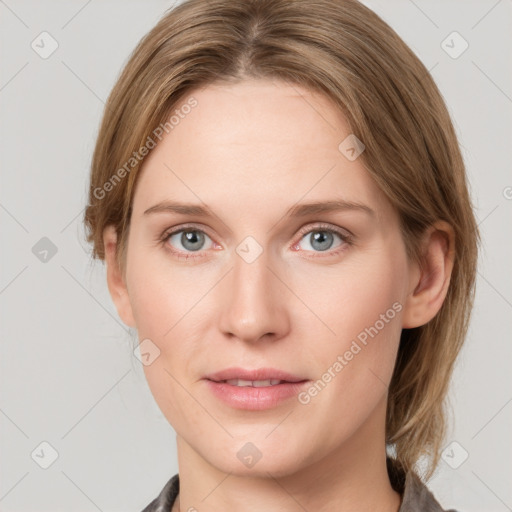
{"x": 254, "y": 398}
{"x": 257, "y": 374}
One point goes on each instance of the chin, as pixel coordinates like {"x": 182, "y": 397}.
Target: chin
{"x": 277, "y": 467}
{"x": 259, "y": 457}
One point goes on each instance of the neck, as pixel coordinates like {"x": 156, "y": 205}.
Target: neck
{"x": 352, "y": 478}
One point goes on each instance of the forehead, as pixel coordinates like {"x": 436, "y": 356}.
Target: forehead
{"x": 266, "y": 113}
{"x": 254, "y": 142}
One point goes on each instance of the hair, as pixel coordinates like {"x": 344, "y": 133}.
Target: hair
{"x": 343, "y": 50}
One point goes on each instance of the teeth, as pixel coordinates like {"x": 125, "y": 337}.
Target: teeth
{"x": 252, "y": 383}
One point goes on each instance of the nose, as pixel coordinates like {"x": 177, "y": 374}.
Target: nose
{"x": 254, "y": 302}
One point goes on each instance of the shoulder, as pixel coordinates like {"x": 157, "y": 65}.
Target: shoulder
{"x": 415, "y": 494}
{"x": 417, "y": 497}
{"x": 165, "y": 500}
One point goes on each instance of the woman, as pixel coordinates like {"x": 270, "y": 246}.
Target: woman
{"x": 281, "y": 202}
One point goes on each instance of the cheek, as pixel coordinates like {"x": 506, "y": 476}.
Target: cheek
{"x": 161, "y": 293}
{"x": 352, "y": 296}
{"x": 165, "y": 304}
{"x": 363, "y": 308}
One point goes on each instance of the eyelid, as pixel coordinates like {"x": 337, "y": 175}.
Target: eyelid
{"x": 302, "y": 231}
{"x": 321, "y": 226}
{"x": 184, "y": 227}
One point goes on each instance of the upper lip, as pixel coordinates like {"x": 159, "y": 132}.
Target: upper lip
{"x": 252, "y": 375}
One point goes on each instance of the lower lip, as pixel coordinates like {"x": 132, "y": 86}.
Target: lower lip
{"x": 255, "y": 399}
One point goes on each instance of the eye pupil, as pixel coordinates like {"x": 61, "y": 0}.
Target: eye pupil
{"x": 192, "y": 237}
{"x": 323, "y": 239}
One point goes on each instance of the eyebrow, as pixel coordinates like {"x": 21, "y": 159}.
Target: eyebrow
{"x": 299, "y": 210}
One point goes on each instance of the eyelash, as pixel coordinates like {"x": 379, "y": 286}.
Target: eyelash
{"x": 346, "y": 238}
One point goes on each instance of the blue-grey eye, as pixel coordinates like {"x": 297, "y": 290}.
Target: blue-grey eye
{"x": 190, "y": 240}
{"x": 320, "y": 240}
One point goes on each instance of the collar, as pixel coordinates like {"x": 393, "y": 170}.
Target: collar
{"x": 415, "y": 494}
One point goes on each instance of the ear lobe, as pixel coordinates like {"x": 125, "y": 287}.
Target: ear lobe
{"x": 115, "y": 281}
{"x": 430, "y": 281}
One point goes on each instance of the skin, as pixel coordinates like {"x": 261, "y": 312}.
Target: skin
{"x": 250, "y": 151}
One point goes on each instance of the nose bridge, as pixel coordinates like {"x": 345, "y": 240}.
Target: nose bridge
{"x": 252, "y": 307}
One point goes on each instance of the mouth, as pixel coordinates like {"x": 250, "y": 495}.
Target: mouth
{"x": 270, "y": 376}
{"x": 253, "y": 383}
{"x": 256, "y": 390}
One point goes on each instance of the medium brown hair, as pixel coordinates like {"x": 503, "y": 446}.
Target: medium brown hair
{"x": 345, "y": 51}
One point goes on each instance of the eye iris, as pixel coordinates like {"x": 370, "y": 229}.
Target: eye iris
{"x": 192, "y": 237}
{"x": 324, "y": 239}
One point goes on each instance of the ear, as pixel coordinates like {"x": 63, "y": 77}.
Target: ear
{"x": 429, "y": 281}
{"x": 115, "y": 280}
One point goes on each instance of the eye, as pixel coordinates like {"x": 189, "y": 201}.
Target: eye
{"x": 187, "y": 240}
{"x": 323, "y": 239}
{"x": 192, "y": 242}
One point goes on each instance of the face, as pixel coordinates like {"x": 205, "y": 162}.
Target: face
{"x": 277, "y": 323}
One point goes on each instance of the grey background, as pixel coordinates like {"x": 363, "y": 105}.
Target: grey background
{"x": 68, "y": 376}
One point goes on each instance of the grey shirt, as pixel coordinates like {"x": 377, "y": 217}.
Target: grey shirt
{"x": 415, "y": 495}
